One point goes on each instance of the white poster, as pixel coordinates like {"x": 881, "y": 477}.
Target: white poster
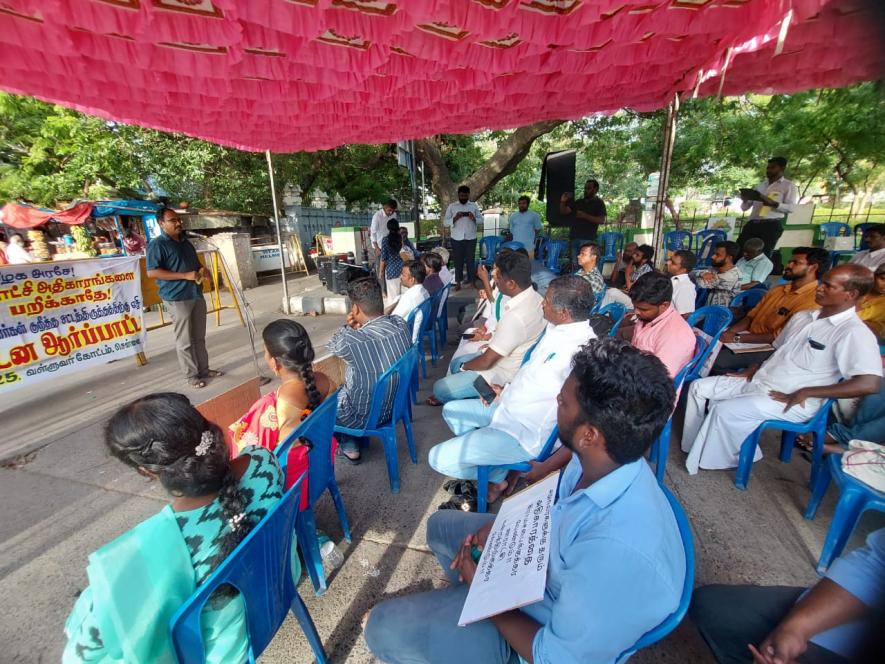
{"x": 512, "y": 570}
{"x": 56, "y": 318}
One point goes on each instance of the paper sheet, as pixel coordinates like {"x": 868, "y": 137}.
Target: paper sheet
{"x": 512, "y": 571}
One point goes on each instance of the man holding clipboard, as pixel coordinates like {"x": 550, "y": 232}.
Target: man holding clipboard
{"x": 615, "y": 564}
{"x": 771, "y": 200}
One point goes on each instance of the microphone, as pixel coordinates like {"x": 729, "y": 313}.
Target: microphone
{"x": 196, "y": 235}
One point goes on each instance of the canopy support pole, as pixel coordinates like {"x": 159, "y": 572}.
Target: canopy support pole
{"x": 664, "y": 182}
{"x": 416, "y": 195}
{"x": 276, "y": 216}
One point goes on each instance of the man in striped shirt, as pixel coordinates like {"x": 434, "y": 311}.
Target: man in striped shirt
{"x": 369, "y": 343}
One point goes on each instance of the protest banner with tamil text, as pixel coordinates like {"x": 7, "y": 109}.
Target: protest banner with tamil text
{"x": 57, "y": 318}
{"x": 512, "y": 570}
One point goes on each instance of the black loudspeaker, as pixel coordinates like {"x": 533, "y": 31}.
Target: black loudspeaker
{"x": 557, "y": 177}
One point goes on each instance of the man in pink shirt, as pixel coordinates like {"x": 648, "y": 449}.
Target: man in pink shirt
{"x": 658, "y": 328}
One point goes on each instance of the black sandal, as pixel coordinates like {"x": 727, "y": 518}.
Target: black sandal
{"x": 462, "y": 503}
{"x": 460, "y": 488}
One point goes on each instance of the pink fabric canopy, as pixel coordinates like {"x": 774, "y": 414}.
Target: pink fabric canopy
{"x": 290, "y": 75}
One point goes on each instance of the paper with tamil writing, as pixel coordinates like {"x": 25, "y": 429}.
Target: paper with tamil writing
{"x": 512, "y": 571}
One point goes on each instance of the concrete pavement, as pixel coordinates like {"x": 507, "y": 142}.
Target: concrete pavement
{"x": 67, "y": 498}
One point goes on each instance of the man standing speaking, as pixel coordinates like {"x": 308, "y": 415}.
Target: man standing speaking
{"x": 173, "y": 262}
{"x": 586, "y": 214}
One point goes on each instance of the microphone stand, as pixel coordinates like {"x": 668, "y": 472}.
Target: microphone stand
{"x": 245, "y": 307}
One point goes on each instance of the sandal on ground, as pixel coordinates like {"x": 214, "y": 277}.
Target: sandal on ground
{"x": 459, "y": 503}
{"x": 464, "y": 488}
{"x": 804, "y": 445}
{"x": 354, "y": 460}
{"x": 196, "y": 382}
{"x": 433, "y": 401}
{"x": 213, "y": 373}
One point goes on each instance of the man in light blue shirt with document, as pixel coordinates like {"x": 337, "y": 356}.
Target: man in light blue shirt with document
{"x": 617, "y": 564}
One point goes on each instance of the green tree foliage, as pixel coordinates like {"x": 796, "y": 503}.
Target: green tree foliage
{"x": 50, "y": 155}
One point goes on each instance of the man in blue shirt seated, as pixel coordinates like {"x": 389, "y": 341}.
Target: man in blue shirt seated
{"x": 838, "y": 620}
{"x": 617, "y": 564}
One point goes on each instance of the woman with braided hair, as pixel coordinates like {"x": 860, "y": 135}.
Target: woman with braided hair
{"x": 138, "y": 581}
{"x": 290, "y": 355}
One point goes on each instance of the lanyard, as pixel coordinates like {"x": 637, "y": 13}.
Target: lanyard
{"x": 498, "y": 306}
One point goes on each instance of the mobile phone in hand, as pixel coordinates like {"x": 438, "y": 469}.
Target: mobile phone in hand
{"x": 485, "y": 390}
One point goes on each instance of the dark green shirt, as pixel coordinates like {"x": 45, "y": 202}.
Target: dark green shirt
{"x": 164, "y": 253}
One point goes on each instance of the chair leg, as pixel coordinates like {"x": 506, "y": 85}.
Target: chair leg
{"x": 389, "y": 440}
{"x": 310, "y": 631}
{"x": 845, "y": 518}
{"x": 788, "y": 441}
{"x": 817, "y": 455}
{"x": 482, "y": 488}
{"x": 410, "y": 438}
{"x": 306, "y": 527}
{"x": 818, "y": 491}
{"x": 434, "y": 354}
{"x": 745, "y": 464}
{"x": 339, "y": 508}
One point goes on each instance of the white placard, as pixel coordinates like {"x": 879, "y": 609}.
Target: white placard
{"x": 512, "y": 571}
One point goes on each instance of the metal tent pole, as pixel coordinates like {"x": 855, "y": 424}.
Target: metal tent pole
{"x": 664, "y": 182}
{"x": 276, "y": 216}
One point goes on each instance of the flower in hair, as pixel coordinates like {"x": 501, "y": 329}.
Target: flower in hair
{"x": 235, "y": 521}
{"x": 206, "y": 441}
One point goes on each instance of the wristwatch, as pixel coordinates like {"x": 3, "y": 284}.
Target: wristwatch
{"x": 737, "y": 337}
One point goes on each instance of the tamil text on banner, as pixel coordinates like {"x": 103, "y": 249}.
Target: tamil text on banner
{"x": 512, "y": 570}
{"x": 56, "y": 318}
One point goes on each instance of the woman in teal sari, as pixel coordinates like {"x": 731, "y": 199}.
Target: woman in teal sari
{"x": 138, "y": 581}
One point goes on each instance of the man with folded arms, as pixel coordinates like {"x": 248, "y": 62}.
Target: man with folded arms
{"x": 766, "y": 320}
{"x": 723, "y": 282}
{"x": 823, "y": 354}
{"x": 616, "y": 561}
{"x": 520, "y": 324}
{"x": 515, "y": 427}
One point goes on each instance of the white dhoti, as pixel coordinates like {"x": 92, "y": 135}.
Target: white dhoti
{"x": 737, "y": 407}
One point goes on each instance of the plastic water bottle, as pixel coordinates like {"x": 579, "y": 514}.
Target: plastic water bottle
{"x": 332, "y": 557}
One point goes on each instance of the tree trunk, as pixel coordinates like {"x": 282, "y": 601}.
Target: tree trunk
{"x": 501, "y": 164}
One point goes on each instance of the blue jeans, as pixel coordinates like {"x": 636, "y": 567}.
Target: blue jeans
{"x": 458, "y": 384}
{"x": 475, "y": 444}
{"x": 422, "y": 628}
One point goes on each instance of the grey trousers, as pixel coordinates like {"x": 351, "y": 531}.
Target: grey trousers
{"x": 422, "y": 628}
{"x": 730, "y": 617}
{"x": 189, "y": 327}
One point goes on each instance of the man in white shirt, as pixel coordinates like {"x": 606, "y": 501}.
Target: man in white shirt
{"x": 524, "y": 225}
{"x": 520, "y": 324}
{"x": 777, "y": 196}
{"x": 754, "y": 265}
{"x": 461, "y": 219}
{"x": 15, "y": 252}
{"x": 412, "y": 279}
{"x": 515, "y": 427}
{"x": 814, "y": 352}
{"x": 874, "y": 256}
{"x": 679, "y": 265}
{"x": 378, "y": 229}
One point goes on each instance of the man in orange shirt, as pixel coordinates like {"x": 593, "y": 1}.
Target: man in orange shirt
{"x": 765, "y": 321}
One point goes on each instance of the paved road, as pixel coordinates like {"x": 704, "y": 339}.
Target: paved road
{"x": 68, "y": 498}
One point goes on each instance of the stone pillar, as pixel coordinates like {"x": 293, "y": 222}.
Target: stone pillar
{"x": 236, "y": 248}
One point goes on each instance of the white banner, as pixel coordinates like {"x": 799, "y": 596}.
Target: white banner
{"x": 57, "y": 318}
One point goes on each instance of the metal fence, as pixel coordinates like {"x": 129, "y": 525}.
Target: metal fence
{"x": 308, "y": 222}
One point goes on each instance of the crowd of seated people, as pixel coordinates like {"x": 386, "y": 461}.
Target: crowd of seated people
{"x": 542, "y": 361}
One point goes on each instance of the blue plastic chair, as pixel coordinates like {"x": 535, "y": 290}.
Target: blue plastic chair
{"x": 426, "y": 311}
{"x": 441, "y": 319}
{"x": 702, "y": 235}
{"x": 855, "y": 498}
{"x": 316, "y": 428}
{"x": 512, "y": 244}
{"x": 488, "y": 247}
{"x": 611, "y": 244}
{"x": 660, "y": 448}
{"x": 714, "y": 321}
{"x": 616, "y": 311}
{"x": 672, "y": 621}
{"x": 541, "y": 247}
{"x": 817, "y": 426}
{"x": 705, "y": 250}
{"x": 482, "y": 472}
{"x": 260, "y": 568}
{"x": 554, "y": 249}
{"x": 678, "y": 240}
{"x": 748, "y": 298}
{"x": 834, "y": 229}
{"x": 398, "y": 379}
